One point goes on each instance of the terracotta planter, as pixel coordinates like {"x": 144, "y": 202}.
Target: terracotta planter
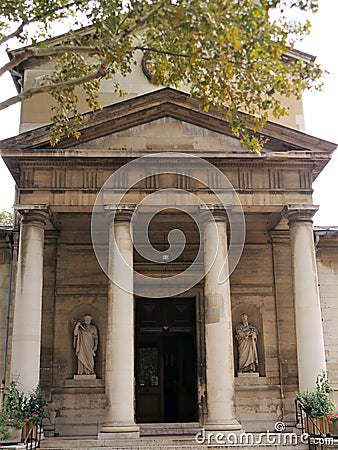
{"x": 316, "y": 426}
{"x": 26, "y": 430}
{"x": 334, "y": 429}
{"x": 14, "y": 436}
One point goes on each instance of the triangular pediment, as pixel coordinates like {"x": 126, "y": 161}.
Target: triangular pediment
{"x": 152, "y": 107}
{"x": 165, "y": 134}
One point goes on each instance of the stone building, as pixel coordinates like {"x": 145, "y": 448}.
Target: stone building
{"x": 170, "y": 358}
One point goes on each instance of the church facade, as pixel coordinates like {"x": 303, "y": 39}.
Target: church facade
{"x": 125, "y": 324}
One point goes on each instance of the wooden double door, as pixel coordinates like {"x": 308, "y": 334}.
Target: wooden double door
{"x": 166, "y": 383}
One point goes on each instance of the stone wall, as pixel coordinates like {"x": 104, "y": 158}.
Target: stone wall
{"x": 261, "y": 285}
{"x": 74, "y": 285}
{"x": 78, "y": 286}
{"x": 4, "y": 287}
{"x": 327, "y": 264}
{"x": 36, "y": 110}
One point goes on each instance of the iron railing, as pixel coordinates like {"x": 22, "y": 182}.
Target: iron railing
{"x": 314, "y": 435}
{"x": 33, "y": 439}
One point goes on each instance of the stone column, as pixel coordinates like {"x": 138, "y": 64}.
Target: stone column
{"x": 119, "y": 375}
{"x": 309, "y": 330}
{"x": 26, "y": 341}
{"x": 218, "y": 327}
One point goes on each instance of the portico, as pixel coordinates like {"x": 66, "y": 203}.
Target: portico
{"x": 144, "y": 341}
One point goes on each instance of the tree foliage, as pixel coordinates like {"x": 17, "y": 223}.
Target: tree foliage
{"x": 233, "y": 54}
{"x": 6, "y": 218}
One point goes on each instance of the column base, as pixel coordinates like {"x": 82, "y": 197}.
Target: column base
{"x": 109, "y": 432}
{"x": 227, "y": 425}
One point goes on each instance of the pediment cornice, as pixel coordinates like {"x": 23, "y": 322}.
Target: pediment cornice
{"x": 156, "y": 105}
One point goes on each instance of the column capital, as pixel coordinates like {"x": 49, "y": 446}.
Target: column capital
{"x": 120, "y": 212}
{"x": 299, "y": 212}
{"x": 218, "y": 211}
{"x": 37, "y": 214}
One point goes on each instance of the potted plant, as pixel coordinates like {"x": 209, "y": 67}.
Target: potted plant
{"x": 10, "y": 429}
{"x": 21, "y": 413}
{"x": 34, "y": 409}
{"x": 317, "y": 405}
{"x": 332, "y": 419}
{"x": 12, "y": 420}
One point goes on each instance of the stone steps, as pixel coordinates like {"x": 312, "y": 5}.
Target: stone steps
{"x": 14, "y": 447}
{"x": 118, "y": 444}
{"x": 170, "y": 429}
{"x": 74, "y": 426}
{"x": 158, "y": 443}
{"x": 187, "y": 436}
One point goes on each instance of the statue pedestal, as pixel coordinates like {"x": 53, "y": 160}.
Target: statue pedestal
{"x": 248, "y": 374}
{"x": 85, "y": 377}
{"x": 84, "y": 381}
{"x": 249, "y": 379}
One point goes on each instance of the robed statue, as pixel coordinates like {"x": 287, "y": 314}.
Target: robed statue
{"x": 85, "y": 343}
{"x": 246, "y": 335}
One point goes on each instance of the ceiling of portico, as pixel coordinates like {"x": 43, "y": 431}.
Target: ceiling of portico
{"x": 78, "y": 225}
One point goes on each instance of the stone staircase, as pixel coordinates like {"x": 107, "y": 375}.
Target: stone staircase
{"x": 177, "y": 442}
{"x": 188, "y": 436}
{"x": 155, "y": 436}
{"x": 170, "y": 429}
{"x": 185, "y": 437}
{"x": 152, "y": 443}
{"x": 143, "y": 443}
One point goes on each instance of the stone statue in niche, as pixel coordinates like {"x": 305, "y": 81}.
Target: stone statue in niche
{"x": 85, "y": 342}
{"x": 246, "y": 335}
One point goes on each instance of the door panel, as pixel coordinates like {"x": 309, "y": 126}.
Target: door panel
{"x": 171, "y": 385}
{"x": 149, "y": 380}
{"x": 165, "y": 360}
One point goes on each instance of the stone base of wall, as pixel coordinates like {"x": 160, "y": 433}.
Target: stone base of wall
{"x": 77, "y": 410}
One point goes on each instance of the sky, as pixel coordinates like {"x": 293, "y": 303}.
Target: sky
{"x": 321, "y": 118}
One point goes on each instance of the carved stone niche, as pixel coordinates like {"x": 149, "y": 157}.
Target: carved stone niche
{"x": 82, "y": 346}
{"x": 255, "y": 319}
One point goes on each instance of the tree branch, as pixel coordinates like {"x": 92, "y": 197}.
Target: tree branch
{"x": 165, "y": 33}
{"x": 20, "y": 28}
{"x": 14, "y": 34}
{"x": 140, "y": 22}
{"x": 164, "y": 52}
{"x": 45, "y": 52}
{"x": 99, "y": 73}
